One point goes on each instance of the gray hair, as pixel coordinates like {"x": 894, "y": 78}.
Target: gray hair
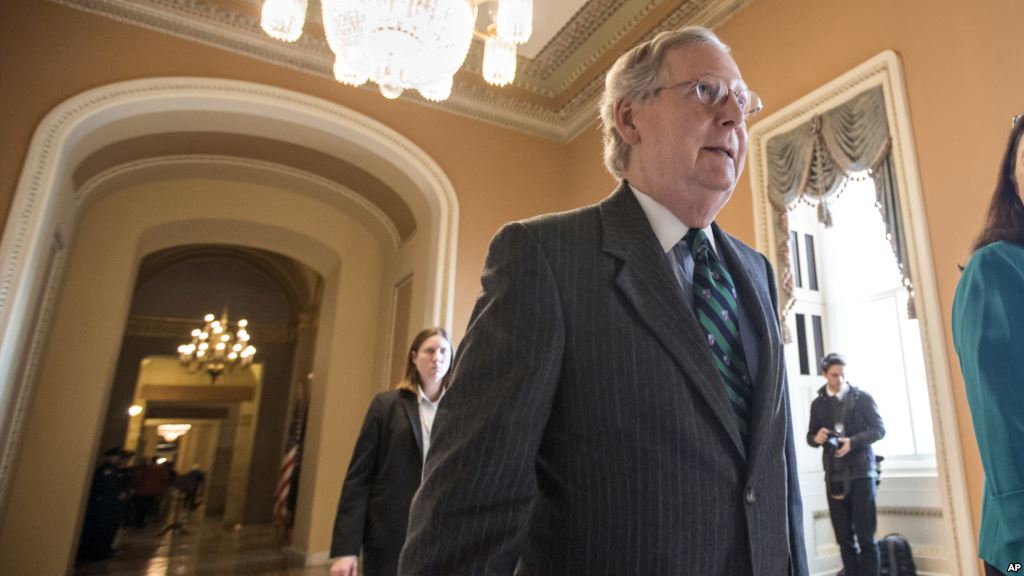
{"x": 636, "y": 76}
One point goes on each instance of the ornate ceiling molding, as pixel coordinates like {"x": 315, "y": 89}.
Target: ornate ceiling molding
{"x": 583, "y": 25}
{"x": 530, "y": 106}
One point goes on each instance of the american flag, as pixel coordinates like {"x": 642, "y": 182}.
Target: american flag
{"x": 284, "y": 500}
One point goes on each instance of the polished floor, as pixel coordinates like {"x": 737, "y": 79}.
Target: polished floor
{"x": 206, "y": 548}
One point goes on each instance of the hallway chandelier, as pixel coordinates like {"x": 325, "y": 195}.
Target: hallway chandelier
{"x": 409, "y": 44}
{"x": 215, "y": 348}
{"x": 172, "y": 432}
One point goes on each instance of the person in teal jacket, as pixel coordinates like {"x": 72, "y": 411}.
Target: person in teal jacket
{"x": 988, "y": 332}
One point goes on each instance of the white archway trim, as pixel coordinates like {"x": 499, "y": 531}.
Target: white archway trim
{"x": 44, "y": 209}
{"x": 368, "y": 211}
{"x": 885, "y": 70}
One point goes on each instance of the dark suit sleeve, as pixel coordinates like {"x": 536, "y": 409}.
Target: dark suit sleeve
{"x": 875, "y": 429}
{"x": 470, "y": 513}
{"x": 350, "y": 521}
{"x": 797, "y": 552}
{"x": 814, "y": 423}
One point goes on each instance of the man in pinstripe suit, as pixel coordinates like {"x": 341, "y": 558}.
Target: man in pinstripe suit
{"x": 594, "y": 425}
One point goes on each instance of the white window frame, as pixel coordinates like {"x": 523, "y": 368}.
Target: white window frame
{"x": 885, "y": 70}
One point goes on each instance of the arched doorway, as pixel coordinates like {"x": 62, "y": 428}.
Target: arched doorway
{"x": 74, "y": 241}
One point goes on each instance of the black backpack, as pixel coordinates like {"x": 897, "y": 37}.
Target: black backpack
{"x": 897, "y": 559}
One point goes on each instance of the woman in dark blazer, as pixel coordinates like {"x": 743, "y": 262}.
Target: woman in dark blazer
{"x": 387, "y": 463}
{"x": 988, "y": 332}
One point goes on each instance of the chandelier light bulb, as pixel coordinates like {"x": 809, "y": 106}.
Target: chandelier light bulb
{"x": 208, "y": 318}
{"x": 347, "y": 74}
{"x": 515, "y": 20}
{"x": 196, "y": 332}
{"x": 134, "y": 410}
{"x": 499, "y": 61}
{"x": 437, "y": 91}
{"x": 390, "y": 90}
{"x": 284, "y": 19}
{"x": 233, "y": 356}
{"x": 243, "y": 323}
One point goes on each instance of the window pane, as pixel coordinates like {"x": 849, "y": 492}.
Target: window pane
{"x": 877, "y": 367}
{"x": 801, "y": 344}
{"x": 794, "y": 251}
{"x": 859, "y": 237}
{"x": 812, "y": 265}
{"x": 819, "y": 341}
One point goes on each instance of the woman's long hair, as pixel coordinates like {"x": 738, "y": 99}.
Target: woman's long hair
{"x": 412, "y": 381}
{"x": 1005, "y": 220}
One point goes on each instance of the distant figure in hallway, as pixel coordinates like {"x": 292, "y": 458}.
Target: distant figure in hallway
{"x": 191, "y": 484}
{"x": 387, "y": 462}
{"x": 845, "y": 422}
{"x": 988, "y": 332}
{"x": 619, "y": 404}
{"x": 102, "y": 509}
{"x": 151, "y": 481}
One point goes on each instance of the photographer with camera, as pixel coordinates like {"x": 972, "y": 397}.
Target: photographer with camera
{"x": 845, "y": 422}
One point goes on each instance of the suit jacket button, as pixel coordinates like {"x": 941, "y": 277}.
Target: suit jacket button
{"x": 751, "y": 498}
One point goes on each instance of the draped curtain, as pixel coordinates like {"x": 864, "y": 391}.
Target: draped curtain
{"x": 813, "y": 162}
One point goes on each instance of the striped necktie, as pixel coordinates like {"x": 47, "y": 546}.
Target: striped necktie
{"x": 714, "y": 303}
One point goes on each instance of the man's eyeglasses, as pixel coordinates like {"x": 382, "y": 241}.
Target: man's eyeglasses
{"x": 1016, "y": 120}
{"x": 713, "y": 91}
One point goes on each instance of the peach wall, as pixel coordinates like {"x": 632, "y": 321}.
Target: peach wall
{"x": 49, "y": 53}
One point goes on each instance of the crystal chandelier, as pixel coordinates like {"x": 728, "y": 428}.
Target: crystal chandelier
{"x": 409, "y": 44}
{"x": 215, "y": 348}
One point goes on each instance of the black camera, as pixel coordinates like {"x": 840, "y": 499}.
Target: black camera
{"x": 833, "y": 440}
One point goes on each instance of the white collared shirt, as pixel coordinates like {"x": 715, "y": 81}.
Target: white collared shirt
{"x": 670, "y": 230}
{"x": 843, "y": 390}
{"x": 428, "y": 410}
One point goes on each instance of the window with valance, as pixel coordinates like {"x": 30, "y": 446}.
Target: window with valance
{"x": 812, "y": 164}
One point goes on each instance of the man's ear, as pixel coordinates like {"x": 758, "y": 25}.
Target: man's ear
{"x": 624, "y": 122}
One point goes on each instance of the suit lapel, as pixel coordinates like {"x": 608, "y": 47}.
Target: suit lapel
{"x": 748, "y": 272}
{"x": 410, "y": 402}
{"x": 648, "y": 283}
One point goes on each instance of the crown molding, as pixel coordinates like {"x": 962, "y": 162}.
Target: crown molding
{"x": 522, "y": 109}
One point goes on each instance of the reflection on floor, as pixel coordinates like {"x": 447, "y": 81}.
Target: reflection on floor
{"x": 206, "y": 548}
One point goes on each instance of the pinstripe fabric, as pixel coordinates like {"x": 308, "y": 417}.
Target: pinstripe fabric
{"x": 586, "y": 430}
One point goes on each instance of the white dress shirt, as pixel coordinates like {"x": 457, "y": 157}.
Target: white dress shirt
{"x": 670, "y": 230}
{"x": 427, "y": 411}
